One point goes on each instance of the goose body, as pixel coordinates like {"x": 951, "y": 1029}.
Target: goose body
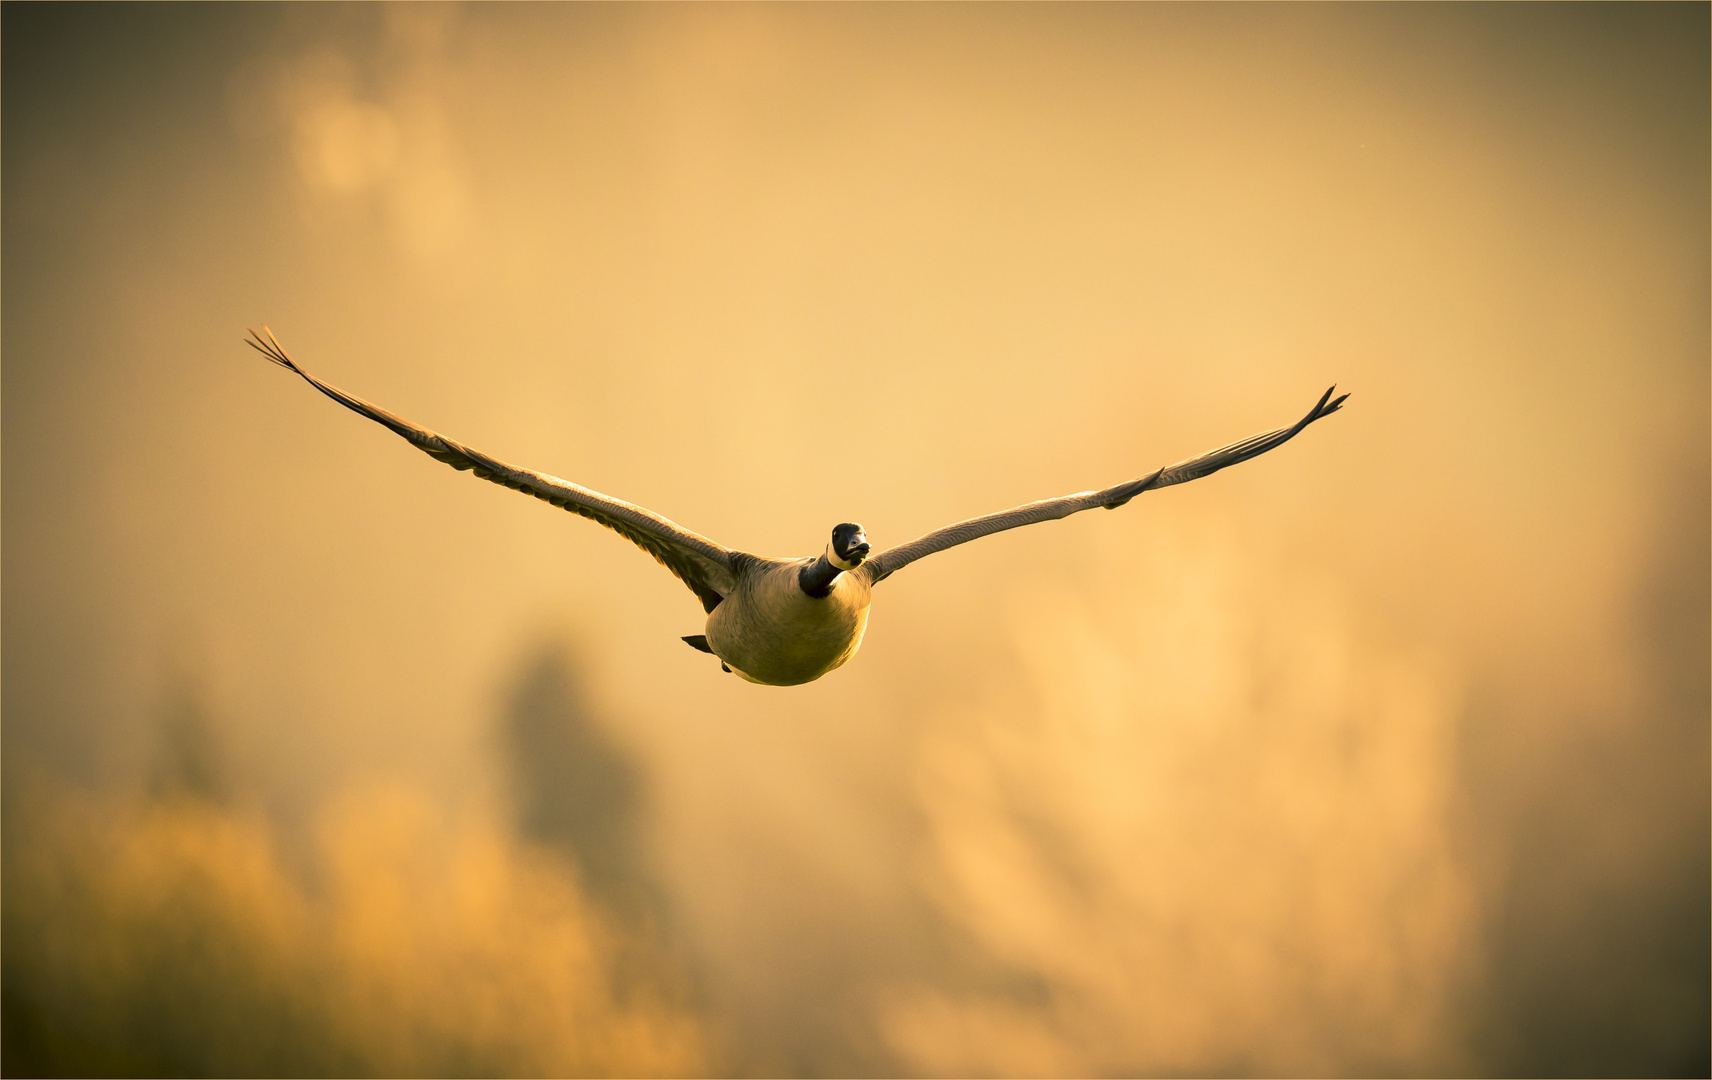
{"x": 782, "y": 622}
{"x": 770, "y": 631}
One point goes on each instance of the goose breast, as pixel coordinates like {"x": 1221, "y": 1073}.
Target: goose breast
{"x": 769, "y": 631}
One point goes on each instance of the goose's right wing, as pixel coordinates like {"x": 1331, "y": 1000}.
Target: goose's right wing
{"x": 892, "y": 560}
{"x": 707, "y": 568}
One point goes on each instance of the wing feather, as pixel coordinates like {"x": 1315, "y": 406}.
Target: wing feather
{"x": 890, "y": 561}
{"x": 706, "y": 567}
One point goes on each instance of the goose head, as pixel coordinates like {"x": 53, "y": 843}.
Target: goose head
{"x": 849, "y": 546}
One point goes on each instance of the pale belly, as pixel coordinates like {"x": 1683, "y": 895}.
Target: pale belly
{"x": 771, "y": 632}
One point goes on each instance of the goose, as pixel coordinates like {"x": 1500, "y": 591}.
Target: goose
{"x": 782, "y": 622}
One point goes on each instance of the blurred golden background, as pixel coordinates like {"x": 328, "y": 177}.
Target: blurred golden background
{"x": 1385, "y": 753}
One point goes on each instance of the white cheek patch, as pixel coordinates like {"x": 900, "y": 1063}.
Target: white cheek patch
{"x": 832, "y": 557}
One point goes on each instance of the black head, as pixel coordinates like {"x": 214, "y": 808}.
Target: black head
{"x": 849, "y": 545}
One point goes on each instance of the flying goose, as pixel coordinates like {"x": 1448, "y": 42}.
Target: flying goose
{"x": 782, "y": 622}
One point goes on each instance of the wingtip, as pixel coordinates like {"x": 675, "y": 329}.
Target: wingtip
{"x": 1328, "y": 404}
{"x": 270, "y": 348}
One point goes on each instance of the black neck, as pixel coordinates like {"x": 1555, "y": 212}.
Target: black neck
{"x": 816, "y": 578}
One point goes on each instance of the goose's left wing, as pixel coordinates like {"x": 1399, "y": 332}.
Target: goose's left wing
{"x": 706, "y": 567}
{"x": 890, "y": 561}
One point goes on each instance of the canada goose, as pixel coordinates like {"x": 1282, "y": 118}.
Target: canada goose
{"x": 782, "y": 622}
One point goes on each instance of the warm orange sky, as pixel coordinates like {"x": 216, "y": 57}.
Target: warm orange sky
{"x": 1386, "y": 752}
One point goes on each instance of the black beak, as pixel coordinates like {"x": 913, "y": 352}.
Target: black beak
{"x": 860, "y": 551}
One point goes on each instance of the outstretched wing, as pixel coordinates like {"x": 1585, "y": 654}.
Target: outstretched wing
{"x": 706, "y": 567}
{"x": 894, "y": 559}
